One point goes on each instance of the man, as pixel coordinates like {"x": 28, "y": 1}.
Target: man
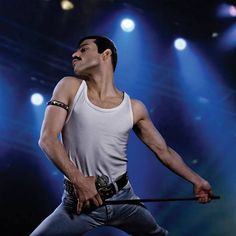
{"x": 95, "y": 118}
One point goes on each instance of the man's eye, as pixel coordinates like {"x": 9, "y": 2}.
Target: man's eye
{"x": 83, "y": 49}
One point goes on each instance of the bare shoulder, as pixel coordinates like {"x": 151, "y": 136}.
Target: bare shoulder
{"x": 66, "y": 89}
{"x": 68, "y": 82}
{"x": 139, "y": 110}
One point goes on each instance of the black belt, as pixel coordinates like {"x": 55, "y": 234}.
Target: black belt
{"x": 105, "y": 189}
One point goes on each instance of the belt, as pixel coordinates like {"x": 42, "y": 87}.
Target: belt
{"x": 105, "y": 189}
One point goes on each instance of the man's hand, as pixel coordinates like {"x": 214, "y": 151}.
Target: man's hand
{"x": 202, "y": 191}
{"x": 87, "y": 194}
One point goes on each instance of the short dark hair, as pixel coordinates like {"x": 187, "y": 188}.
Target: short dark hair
{"x": 103, "y": 43}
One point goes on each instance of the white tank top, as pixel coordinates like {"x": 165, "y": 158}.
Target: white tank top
{"x": 96, "y": 138}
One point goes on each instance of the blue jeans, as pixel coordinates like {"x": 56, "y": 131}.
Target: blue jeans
{"x": 133, "y": 219}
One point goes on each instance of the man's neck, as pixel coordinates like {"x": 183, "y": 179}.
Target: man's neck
{"x": 102, "y": 85}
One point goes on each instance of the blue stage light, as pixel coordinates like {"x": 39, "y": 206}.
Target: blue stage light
{"x": 127, "y": 25}
{"x": 37, "y": 99}
{"x": 180, "y": 44}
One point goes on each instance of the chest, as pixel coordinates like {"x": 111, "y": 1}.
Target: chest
{"x": 98, "y": 120}
{"x": 106, "y": 103}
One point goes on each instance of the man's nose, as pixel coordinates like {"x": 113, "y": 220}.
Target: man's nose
{"x": 76, "y": 53}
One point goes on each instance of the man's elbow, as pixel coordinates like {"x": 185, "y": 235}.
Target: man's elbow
{"x": 160, "y": 147}
{"x": 42, "y": 143}
{"x": 162, "y": 150}
{"x": 163, "y": 154}
{"x": 45, "y": 143}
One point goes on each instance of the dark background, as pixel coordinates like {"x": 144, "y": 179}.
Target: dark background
{"x": 190, "y": 96}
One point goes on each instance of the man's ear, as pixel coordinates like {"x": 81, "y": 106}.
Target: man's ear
{"x": 106, "y": 54}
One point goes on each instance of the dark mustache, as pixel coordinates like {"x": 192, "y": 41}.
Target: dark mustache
{"x": 76, "y": 58}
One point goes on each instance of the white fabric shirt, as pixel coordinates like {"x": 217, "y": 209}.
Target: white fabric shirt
{"x": 96, "y": 138}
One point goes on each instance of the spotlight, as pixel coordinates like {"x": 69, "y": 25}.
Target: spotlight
{"x": 226, "y": 10}
{"x": 127, "y": 25}
{"x": 232, "y": 11}
{"x": 180, "y": 44}
{"x": 214, "y": 35}
{"x": 36, "y": 99}
{"x": 67, "y": 5}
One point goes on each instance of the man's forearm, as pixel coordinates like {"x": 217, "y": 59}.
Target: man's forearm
{"x": 174, "y": 162}
{"x": 56, "y": 152}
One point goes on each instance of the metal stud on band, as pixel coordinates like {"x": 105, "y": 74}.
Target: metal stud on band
{"x": 59, "y": 104}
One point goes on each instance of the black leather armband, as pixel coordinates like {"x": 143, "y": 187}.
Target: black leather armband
{"x": 59, "y": 104}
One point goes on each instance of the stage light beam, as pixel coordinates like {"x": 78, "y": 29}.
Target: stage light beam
{"x": 37, "y": 99}
{"x": 127, "y": 25}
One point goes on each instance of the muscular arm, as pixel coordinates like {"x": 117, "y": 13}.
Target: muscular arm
{"x": 146, "y": 131}
{"x": 53, "y": 123}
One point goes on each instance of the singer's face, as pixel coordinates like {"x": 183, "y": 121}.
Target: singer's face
{"x": 86, "y": 58}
